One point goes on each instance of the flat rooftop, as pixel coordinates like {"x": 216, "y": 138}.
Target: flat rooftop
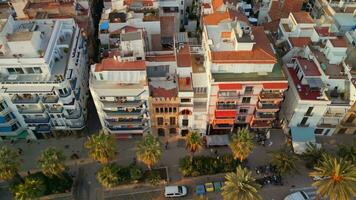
{"x": 308, "y": 67}
{"x": 20, "y": 36}
{"x": 331, "y": 70}
{"x": 276, "y": 74}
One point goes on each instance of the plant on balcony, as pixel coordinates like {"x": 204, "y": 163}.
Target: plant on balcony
{"x": 149, "y": 150}
{"x": 240, "y": 185}
{"x": 102, "y": 147}
{"x": 312, "y": 155}
{"x": 108, "y": 176}
{"x": 339, "y": 178}
{"x": 31, "y": 188}
{"x": 51, "y": 161}
{"x": 241, "y": 144}
{"x": 194, "y": 142}
{"x": 9, "y": 163}
{"x": 284, "y": 160}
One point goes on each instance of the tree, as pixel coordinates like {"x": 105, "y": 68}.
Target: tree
{"x": 108, "y": 176}
{"x": 240, "y": 185}
{"x": 338, "y": 180}
{"x": 102, "y": 147}
{"x": 194, "y": 142}
{"x": 241, "y": 144}
{"x": 348, "y": 152}
{"x": 312, "y": 155}
{"x": 51, "y": 162}
{"x": 149, "y": 150}
{"x": 31, "y": 188}
{"x": 9, "y": 163}
{"x": 284, "y": 160}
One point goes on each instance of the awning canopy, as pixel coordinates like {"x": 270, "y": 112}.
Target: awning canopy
{"x": 232, "y": 86}
{"x": 275, "y": 86}
{"x": 217, "y": 140}
{"x": 301, "y": 136}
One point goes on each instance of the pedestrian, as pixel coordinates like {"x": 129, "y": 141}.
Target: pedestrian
{"x": 166, "y": 145}
{"x": 216, "y": 152}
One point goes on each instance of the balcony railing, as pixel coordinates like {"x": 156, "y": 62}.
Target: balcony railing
{"x": 125, "y": 128}
{"x": 226, "y": 107}
{"x": 30, "y": 109}
{"x": 125, "y": 112}
{"x": 25, "y": 98}
{"x": 113, "y": 104}
{"x": 55, "y": 109}
{"x": 43, "y": 128}
{"x": 50, "y": 99}
{"x": 303, "y": 125}
{"x": 270, "y": 95}
{"x": 37, "y": 120}
{"x": 69, "y": 92}
{"x": 121, "y": 122}
{"x": 264, "y": 106}
{"x": 265, "y": 116}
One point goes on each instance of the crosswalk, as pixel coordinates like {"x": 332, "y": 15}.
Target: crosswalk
{"x": 310, "y": 191}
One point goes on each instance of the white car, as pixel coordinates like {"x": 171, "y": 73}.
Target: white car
{"x": 175, "y": 191}
{"x": 318, "y": 178}
{"x": 301, "y": 195}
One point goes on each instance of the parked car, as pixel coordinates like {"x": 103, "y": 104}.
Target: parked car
{"x": 209, "y": 187}
{"x": 175, "y": 191}
{"x": 200, "y": 190}
{"x": 300, "y": 195}
{"x": 318, "y": 178}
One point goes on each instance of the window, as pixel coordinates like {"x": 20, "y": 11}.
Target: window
{"x": 309, "y": 111}
{"x": 172, "y": 131}
{"x": 318, "y": 131}
{"x": 101, "y": 76}
{"x": 246, "y": 99}
{"x": 161, "y": 132}
{"x": 11, "y": 70}
{"x": 159, "y": 121}
{"x": 241, "y": 118}
{"x": 37, "y": 70}
{"x": 170, "y": 109}
{"x": 161, "y": 110}
{"x": 304, "y": 121}
{"x": 165, "y": 110}
{"x": 15, "y": 70}
{"x": 185, "y": 122}
{"x": 29, "y": 70}
{"x": 181, "y": 2}
{"x": 172, "y": 121}
{"x": 248, "y": 90}
{"x": 185, "y": 100}
{"x": 157, "y": 110}
{"x": 181, "y": 12}
{"x": 174, "y": 109}
{"x": 243, "y": 111}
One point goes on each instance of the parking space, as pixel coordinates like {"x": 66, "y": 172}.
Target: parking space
{"x": 145, "y": 195}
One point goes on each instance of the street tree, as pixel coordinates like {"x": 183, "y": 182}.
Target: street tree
{"x": 149, "y": 150}
{"x": 338, "y": 178}
{"x": 51, "y": 161}
{"x": 9, "y": 163}
{"x": 31, "y": 188}
{"x": 241, "y": 144}
{"x": 240, "y": 185}
{"x": 102, "y": 147}
{"x": 284, "y": 160}
{"x": 194, "y": 142}
{"x": 108, "y": 176}
{"x": 312, "y": 155}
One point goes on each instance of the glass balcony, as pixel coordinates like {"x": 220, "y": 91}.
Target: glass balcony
{"x": 25, "y": 98}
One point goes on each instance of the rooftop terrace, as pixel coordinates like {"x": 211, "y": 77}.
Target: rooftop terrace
{"x": 276, "y": 74}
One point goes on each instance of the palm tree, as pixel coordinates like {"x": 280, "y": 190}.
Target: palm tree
{"x": 241, "y": 144}
{"x": 240, "y": 185}
{"x": 102, "y": 147}
{"x": 9, "y": 163}
{"x": 51, "y": 162}
{"x": 32, "y": 188}
{"x": 348, "y": 152}
{"x": 194, "y": 142}
{"x": 312, "y": 155}
{"x": 338, "y": 178}
{"x": 149, "y": 150}
{"x": 108, "y": 175}
{"x": 284, "y": 160}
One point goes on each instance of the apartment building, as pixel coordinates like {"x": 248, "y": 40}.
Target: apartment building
{"x": 43, "y": 78}
{"x": 246, "y": 83}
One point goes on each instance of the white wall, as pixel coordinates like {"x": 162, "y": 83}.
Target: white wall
{"x": 241, "y": 68}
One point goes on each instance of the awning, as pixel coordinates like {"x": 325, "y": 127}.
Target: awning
{"x": 301, "y": 136}
{"x": 224, "y": 121}
{"x": 226, "y": 113}
{"x": 217, "y": 140}
{"x": 234, "y": 86}
{"x": 275, "y": 86}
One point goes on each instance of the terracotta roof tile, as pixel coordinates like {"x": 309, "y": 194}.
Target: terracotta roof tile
{"x": 323, "y": 31}
{"x": 299, "y": 41}
{"x": 292, "y": 6}
{"x": 339, "y": 42}
{"x": 272, "y": 26}
{"x": 183, "y": 57}
{"x": 215, "y": 18}
{"x": 302, "y": 17}
{"x": 238, "y": 15}
{"x": 111, "y": 64}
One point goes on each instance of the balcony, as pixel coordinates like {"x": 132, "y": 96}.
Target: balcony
{"x": 73, "y": 114}
{"x": 120, "y": 122}
{"x": 44, "y": 128}
{"x": 25, "y": 98}
{"x": 270, "y": 96}
{"x": 63, "y": 95}
{"x": 303, "y": 125}
{"x": 115, "y": 104}
{"x": 50, "y": 99}
{"x": 265, "y": 116}
{"x": 55, "y": 109}
{"x": 226, "y": 106}
{"x": 30, "y": 109}
{"x": 40, "y": 120}
{"x": 222, "y": 126}
{"x": 267, "y": 107}
{"x": 261, "y": 124}
{"x": 127, "y": 128}
{"x": 200, "y": 106}
{"x": 128, "y": 112}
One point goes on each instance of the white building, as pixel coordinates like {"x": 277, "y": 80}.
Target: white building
{"x": 43, "y": 78}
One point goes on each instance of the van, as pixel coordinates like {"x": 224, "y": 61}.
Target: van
{"x": 300, "y": 195}
{"x": 175, "y": 191}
